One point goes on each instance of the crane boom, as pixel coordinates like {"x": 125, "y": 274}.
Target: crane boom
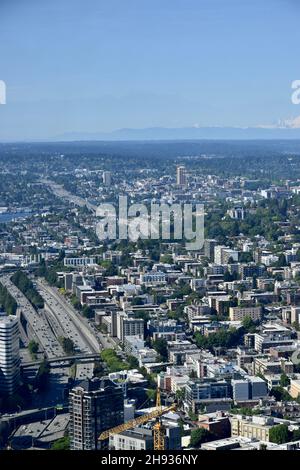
{"x": 137, "y": 421}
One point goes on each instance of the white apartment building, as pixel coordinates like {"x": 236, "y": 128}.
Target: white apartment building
{"x": 154, "y": 277}
{"x": 83, "y": 261}
{"x": 127, "y": 326}
{"x": 295, "y": 314}
{"x": 222, "y": 254}
{"x": 9, "y": 354}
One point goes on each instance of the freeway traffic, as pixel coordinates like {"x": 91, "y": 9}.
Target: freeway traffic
{"x": 64, "y": 310}
{"x": 38, "y": 323}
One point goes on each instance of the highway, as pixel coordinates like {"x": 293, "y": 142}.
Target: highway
{"x": 38, "y": 323}
{"x": 62, "y": 321}
{"x": 62, "y": 193}
{"x": 64, "y": 360}
{"x": 76, "y": 323}
{"x": 59, "y": 318}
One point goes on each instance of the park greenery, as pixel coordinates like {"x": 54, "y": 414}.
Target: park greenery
{"x": 281, "y": 434}
{"x": 113, "y": 362}
{"x": 20, "y": 280}
{"x": 49, "y": 271}
{"x": 7, "y": 302}
{"x": 221, "y": 339}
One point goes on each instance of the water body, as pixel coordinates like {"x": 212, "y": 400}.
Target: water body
{"x": 10, "y": 216}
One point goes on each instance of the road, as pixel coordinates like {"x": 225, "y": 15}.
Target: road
{"x": 59, "y": 303}
{"x": 84, "y": 371}
{"x": 56, "y": 389}
{"x": 38, "y": 323}
{"x": 62, "y": 193}
{"x": 62, "y": 322}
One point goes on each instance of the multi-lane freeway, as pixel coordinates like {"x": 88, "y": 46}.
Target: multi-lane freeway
{"x": 42, "y": 332}
{"x": 58, "y": 318}
{"x": 63, "y": 323}
{"x": 62, "y": 193}
{"x": 78, "y": 327}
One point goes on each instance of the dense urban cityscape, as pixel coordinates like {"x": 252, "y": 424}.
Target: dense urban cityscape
{"x": 149, "y": 233}
{"x": 142, "y": 345}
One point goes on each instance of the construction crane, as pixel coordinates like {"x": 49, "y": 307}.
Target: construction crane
{"x": 158, "y": 428}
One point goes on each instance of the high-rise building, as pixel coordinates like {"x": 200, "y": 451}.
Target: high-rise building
{"x": 224, "y": 254}
{"x": 240, "y": 389}
{"x": 181, "y": 175}
{"x": 295, "y": 314}
{"x": 209, "y": 248}
{"x": 9, "y": 354}
{"x": 127, "y": 326}
{"x": 106, "y": 178}
{"x": 95, "y": 405}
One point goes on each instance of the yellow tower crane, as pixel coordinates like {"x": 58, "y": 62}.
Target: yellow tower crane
{"x": 158, "y": 428}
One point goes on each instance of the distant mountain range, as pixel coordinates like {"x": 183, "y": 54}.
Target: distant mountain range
{"x": 186, "y": 133}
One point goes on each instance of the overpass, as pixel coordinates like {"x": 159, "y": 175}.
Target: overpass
{"x": 62, "y": 359}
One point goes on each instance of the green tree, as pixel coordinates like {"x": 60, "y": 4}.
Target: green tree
{"x": 279, "y": 434}
{"x": 87, "y": 311}
{"x": 151, "y": 394}
{"x": 248, "y": 324}
{"x": 245, "y": 257}
{"x": 180, "y": 394}
{"x": 67, "y": 345}
{"x": 113, "y": 362}
{"x": 75, "y": 302}
{"x": 133, "y": 362}
{"x": 168, "y": 259}
{"x": 61, "y": 444}
{"x": 7, "y": 302}
{"x": 161, "y": 346}
{"x": 280, "y": 394}
{"x": 99, "y": 369}
{"x": 33, "y": 348}
{"x": 296, "y": 435}
{"x": 284, "y": 380}
{"x": 42, "y": 377}
{"x": 199, "y": 436}
{"x": 27, "y": 288}
{"x": 223, "y": 338}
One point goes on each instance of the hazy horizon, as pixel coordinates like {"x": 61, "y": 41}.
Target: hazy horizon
{"x": 98, "y": 66}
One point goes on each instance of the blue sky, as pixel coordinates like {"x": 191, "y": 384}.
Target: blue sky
{"x": 99, "y": 65}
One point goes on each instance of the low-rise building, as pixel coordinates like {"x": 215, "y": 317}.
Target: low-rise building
{"x": 294, "y": 388}
{"x": 239, "y": 313}
{"x": 254, "y": 427}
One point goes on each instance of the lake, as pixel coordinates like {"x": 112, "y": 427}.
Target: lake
{"x": 9, "y": 216}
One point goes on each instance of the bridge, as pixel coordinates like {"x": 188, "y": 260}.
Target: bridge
{"x": 62, "y": 359}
